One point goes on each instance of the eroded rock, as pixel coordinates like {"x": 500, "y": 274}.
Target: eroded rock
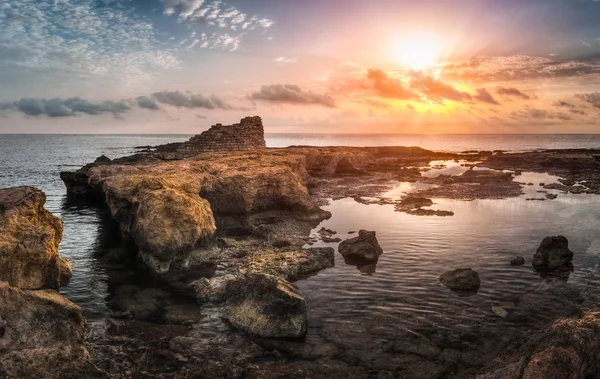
{"x": 29, "y": 238}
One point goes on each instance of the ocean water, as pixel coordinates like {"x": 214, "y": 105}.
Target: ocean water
{"x": 348, "y": 305}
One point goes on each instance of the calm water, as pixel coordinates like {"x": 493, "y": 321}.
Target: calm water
{"x": 402, "y": 290}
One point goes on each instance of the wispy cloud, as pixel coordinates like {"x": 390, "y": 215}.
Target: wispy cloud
{"x": 228, "y": 25}
{"x": 511, "y": 91}
{"x": 57, "y": 107}
{"x": 291, "y": 94}
{"x": 80, "y": 38}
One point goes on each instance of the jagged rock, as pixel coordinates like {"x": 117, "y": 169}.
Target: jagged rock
{"x": 462, "y": 279}
{"x": 29, "y": 238}
{"x": 552, "y": 254}
{"x": 41, "y": 334}
{"x": 517, "y": 261}
{"x": 266, "y": 306}
{"x": 362, "y": 248}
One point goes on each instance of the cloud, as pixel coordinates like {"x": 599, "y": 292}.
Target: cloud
{"x": 146, "y": 102}
{"x": 511, "y": 91}
{"x": 564, "y": 104}
{"x": 291, "y": 94}
{"x": 189, "y": 100}
{"x": 518, "y": 67}
{"x": 57, "y": 107}
{"x": 485, "y": 97}
{"x": 74, "y": 106}
{"x": 80, "y": 40}
{"x": 591, "y": 98}
{"x": 436, "y": 90}
{"x": 228, "y": 23}
{"x": 387, "y": 86}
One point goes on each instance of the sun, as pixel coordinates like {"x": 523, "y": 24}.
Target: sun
{"x": 417, "y": 52}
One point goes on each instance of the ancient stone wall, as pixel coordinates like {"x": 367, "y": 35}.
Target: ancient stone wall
{"x": 247, "y": 135}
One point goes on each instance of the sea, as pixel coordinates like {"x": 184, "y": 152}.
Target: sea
{"x": 401, "y": 292}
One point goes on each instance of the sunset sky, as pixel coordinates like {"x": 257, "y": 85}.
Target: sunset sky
{"x": 379, "y": 66}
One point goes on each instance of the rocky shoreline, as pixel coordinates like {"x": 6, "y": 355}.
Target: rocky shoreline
{"x": 230, "y": 231}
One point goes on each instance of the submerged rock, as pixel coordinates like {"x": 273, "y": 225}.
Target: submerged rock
{"x": 362, "y": 248}
{"x": 266, "y": 306}
{"x": 41, "y": 334}
{"x": 29, "y": 238}
{"x": 462, "y": 279}
{"x": 552, "y": 254}
{"x": 517, "y": 261}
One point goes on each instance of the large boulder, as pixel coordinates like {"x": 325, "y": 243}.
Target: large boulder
{"x": 363, "y": 248}
{"x": 462, "y": 279}
{"x": 552, "y": 254}
{"x": 165, "y": 215}
{"x": 29, "y": 238}
{"x": 41, "y": 334}
{"x": 266, "y": 306}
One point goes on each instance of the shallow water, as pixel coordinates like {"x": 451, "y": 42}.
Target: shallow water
{"x": 347, "y": 306}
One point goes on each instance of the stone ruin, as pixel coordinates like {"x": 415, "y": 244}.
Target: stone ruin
{"x": 247, "y": 135}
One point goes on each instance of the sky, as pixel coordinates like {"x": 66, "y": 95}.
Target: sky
{"x": 304, "y": 66}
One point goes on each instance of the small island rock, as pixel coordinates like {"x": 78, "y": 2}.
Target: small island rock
{"x": 553, "y": 253}
{"x": 517, "y": 261}
{"x": 364, "y": 247}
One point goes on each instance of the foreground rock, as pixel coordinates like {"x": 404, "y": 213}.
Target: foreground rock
{"x": 462, "y": 279}
{"x": 569, "y": 348}
{"x": 363, "y": 248}
{"x": 552, "y": 254}
{"x": 41, "y": 334}
{"x": 29, "y": 238}
{"x": 266, "y": 306}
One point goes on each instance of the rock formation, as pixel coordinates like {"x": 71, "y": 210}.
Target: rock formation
{"x": 363, "y": 248}
{"x": 462, "y": 279}
{"x": 41, "y": 333}
{"x": 29, "y": 238}
{"x": 552, "y": 254}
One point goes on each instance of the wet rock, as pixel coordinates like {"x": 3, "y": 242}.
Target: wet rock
{"x": 517, "y": 261}
{"x": 331, "y": 240}
{"x": 551, "y": 196}
{"x": 42, "y": 334}
{"x": 326, "y": 232}
{"x": 362, "y": 248}
{"x": 266, "y": 306}
{"x": 462, "y": 279}
{"x": 29, "y": 238}
{"x": 552, "y": 254}
{"x": 554, "y": 362}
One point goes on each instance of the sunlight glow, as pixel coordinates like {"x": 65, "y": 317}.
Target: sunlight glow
{"x": 418, "y": 52}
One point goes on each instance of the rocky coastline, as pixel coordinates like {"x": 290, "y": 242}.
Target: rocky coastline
{"x": 226, "y": 223}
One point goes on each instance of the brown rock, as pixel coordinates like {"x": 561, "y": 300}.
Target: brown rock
{"x": 362, "y": 248}
{"x": 41, "y": 334}
{"x": 29, "y": 238}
